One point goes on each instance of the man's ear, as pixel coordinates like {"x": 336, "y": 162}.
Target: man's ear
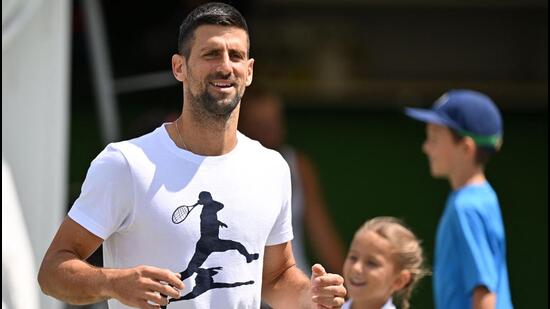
{"x": 402, "y": 280}
{"x": 179, "y": 67}
{"x": 250, "y": 71}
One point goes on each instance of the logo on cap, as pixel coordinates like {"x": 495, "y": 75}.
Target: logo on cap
{"x": 441, "y": 101}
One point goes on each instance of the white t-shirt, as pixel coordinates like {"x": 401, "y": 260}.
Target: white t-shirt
{"x": 130, "y": 196}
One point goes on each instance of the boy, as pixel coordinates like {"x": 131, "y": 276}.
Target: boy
{"x": 464, "y": 129}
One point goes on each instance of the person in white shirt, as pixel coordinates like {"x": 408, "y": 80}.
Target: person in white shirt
{"x": 384, "y": 261}
{"x": 139, "y": 199}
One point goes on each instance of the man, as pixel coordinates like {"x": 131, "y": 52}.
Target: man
{"x": 230, "y": 253}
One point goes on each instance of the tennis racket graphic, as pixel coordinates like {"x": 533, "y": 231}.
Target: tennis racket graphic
{"x": 182, "y": 212}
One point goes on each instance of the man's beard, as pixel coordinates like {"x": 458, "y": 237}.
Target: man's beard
{"x": 212, "y": 107}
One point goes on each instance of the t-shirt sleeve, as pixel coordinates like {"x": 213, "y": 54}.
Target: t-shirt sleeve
{"x": 282, "y": 229}
{"x": 105, "y": 204}
{"x": 473, "y": 245}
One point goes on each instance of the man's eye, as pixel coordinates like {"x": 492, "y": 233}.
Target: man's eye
{"x": 237, "y": 56}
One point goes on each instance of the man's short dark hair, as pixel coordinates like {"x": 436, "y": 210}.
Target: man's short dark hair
{"x": 213, "y": 13}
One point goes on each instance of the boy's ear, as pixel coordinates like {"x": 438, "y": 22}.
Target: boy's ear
{"x": 402, "y": 280}
{"x": 469, "y": 145}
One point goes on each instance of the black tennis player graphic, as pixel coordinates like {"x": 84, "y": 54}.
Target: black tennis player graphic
{"x": 208, "y": 243}
{"x": 205, "y": 282}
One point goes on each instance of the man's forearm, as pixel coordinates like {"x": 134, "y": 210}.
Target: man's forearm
{"x": 69, "y": 279}
{"x": 288, "y": 289}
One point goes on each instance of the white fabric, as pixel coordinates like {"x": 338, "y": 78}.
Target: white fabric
{"x": 133, "y": 188}
{"x": 35, "y": 94}
{"x": 388, "y": 305}
{"x": 19, "y": 286}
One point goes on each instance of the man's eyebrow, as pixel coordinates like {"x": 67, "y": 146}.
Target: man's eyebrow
{"x": 209, "y": 48}
{"x": 239, "y": 51}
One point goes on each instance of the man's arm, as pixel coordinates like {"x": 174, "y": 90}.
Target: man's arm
{"x": 483, "y": 298}
{"x": 285, "y": 286}
{"x": 65, "y": 275}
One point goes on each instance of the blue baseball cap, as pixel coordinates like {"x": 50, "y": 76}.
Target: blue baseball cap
{"x": 469, "y": 113}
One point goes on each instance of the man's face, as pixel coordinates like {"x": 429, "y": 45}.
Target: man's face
{"x": 218, "y": 69}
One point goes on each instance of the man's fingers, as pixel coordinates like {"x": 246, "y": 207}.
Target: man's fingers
{"x": 165, "y": 275}
{"x": 328, "y": 279}
{"x": 317, "y": 270}
{"x": 164, "y": 289}
{"x": 328, "y": 301}
{"x": 330, "y": 291}
{"x": 145, "y": 305}
{"x": 156, "y": 298}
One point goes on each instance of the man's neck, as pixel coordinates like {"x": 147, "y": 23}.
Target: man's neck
{"x": 208, "y": 136}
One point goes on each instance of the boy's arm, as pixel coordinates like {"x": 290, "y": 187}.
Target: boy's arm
{"x": 65, "y": 275}
{"x": 285, "y": 286}
{"x": 483, "y": 298}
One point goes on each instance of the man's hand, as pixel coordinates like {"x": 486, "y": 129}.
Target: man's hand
{"x": 327, "y": 290}
{"x": 142, "y": 286}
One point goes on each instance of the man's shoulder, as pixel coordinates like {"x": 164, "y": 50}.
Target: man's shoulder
{"x": 144, "y": 141}
{"x": 118, "y": 153}
{"x": 255, "y": 147}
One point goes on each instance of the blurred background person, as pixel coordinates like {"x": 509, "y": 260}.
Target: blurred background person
{"x": 262, "y": 119}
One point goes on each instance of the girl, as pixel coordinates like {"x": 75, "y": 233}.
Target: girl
{"x": 385, "y": 259}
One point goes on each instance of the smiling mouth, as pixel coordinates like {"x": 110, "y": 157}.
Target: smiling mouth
{"x": 222, "y": 85}
{"x": 357, "y": 283}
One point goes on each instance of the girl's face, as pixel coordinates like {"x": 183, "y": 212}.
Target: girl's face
{"x": 370, "y": 273}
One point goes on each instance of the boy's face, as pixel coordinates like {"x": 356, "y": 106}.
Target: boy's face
{"x": 441, "y": 149}
{"x": 370, "y": 272}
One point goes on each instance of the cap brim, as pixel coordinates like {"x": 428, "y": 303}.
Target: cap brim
{"x": 428, "y": 116}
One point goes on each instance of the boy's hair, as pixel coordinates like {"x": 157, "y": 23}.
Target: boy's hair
{"x": 483, "y": 154}
{"x": 407, "y": 251}
{"x": 213, "y": 13}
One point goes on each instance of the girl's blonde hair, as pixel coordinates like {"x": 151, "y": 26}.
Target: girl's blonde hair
{"x": 407, "y": 252}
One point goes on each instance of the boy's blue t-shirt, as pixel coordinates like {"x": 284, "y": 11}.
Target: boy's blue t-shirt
{"x": 470, "y": 249}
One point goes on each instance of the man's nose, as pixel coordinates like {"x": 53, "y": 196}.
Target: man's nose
{"x": 224, "y": 66}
